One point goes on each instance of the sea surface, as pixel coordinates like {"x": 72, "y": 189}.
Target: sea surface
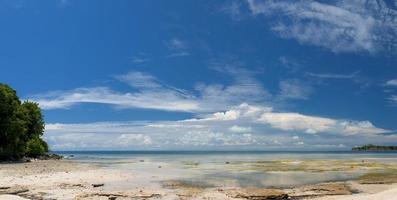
{"x": 241, "y": 168}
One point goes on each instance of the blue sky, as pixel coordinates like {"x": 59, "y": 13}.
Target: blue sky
{"x": 263, "y": 75}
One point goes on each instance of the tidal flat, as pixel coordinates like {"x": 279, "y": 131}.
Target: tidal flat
{"x": 203, "y": 176}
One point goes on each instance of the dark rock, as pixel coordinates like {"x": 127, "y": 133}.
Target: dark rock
{"x": 97, "y": 185}
{"x": 14, "y": 191}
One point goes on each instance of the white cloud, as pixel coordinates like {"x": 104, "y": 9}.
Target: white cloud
{"x": 333, "y": 76}
{"x": 295, "y": 121}
{"x": 178, "y": 54}
{"x": 224, "y": 116}
{"x": 177, "y": 47}
{"x": 176, "y": 44}
{"x": 125, "y": 140}
{"x": 393, "y": 99}
{"x": 300, "y": 143}
{"x": 240, "y": 129}
{"x": 341, "y": 25}
{"x": 363, "y": 127}
{"x": 244, "y": 126}
{"x": 150, "y": 93}
{"x": 294, "y": 89}
{"x": 139, "y": 80}
{"x": 232, "y": 8}
{"x": 392, "y": 82}
{"x": 150, "y": 99}
{"x": 290, "y": 64}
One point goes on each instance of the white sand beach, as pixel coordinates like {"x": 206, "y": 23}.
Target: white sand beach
{"x": 63, "y": 179}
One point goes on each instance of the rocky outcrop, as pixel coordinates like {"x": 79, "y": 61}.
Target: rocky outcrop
{"x": 322, "y": 190}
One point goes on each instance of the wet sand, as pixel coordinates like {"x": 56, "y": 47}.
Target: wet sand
{"x": 64, "y": 179}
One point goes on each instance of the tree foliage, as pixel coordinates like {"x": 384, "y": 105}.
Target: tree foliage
{"x": 21, "y": 126}
{"x": 371, "y": 147}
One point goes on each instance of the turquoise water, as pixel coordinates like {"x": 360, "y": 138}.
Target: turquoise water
{"x": 244, "y": 169}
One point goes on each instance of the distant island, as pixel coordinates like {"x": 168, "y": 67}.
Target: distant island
{"x": 371, "y": 147}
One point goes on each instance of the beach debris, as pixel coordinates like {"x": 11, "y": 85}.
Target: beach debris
{"x": 257, "y": 194}
{"x": 68, "y": 186}
{"x": 97, "y": 184}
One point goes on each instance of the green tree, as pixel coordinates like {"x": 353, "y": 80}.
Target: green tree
{"x": 34, "y": 124}
{"x": 36, "y": 147}
{"x": 21, "y": 126}
{"x": 33, "y": 119}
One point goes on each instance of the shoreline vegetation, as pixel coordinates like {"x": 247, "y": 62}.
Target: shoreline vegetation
{"x": 371, "y": 147}
{"x": 21, "y": 127}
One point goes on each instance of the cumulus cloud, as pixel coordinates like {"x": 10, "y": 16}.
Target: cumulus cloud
{"x": 341, "y": 26}
{"x": 240, "y": 129}
{"x": 243, "y": 126}
{"x": 296, "y": 121}
{"x": 359, "y": 127}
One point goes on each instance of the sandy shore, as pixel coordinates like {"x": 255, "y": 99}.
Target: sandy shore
{"x": 62, "y": 179}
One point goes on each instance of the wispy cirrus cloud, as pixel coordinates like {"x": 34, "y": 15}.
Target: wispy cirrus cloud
{"x": 294, "y": 89}
{"x": 243, "y": 126}
{"x": 392, "y": 83}
{"x": 177, "y": 47}
{"x": 290, "y": 64}
{"x": 140, "y": 58}
{"x": 150, "y": 93}
{"x": 233, "y": 9}
{"x": 393, "y": 99}
{"x": 333, "y": 76}
{"x": 139, "y": 80}
{"x": 162, "y": 99}
{"x": 340, "y": 25}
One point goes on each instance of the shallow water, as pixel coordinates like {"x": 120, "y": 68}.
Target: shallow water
{"x": 244, "y": 169}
